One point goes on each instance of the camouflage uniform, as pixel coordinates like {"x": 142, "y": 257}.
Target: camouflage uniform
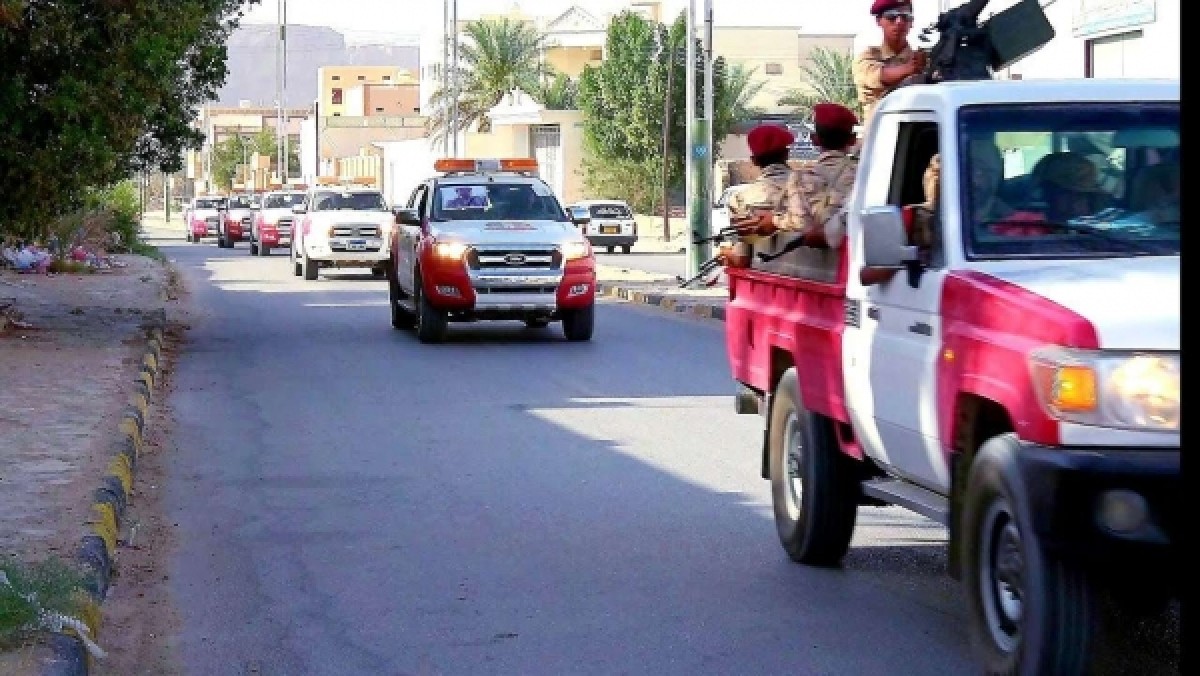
{"x": 815, "y": 194}
{"x": 868, "y": 71}
{"x": 766, "y": 192}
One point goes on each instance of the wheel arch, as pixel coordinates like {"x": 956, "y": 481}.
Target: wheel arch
{"x": 976, "y": 419}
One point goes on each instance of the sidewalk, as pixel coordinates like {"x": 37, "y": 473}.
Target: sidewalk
{"x": 663, "y": 291}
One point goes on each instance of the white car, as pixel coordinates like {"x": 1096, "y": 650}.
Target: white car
{"x": 203, "y": 217}
{"x": 273, "y": 219}
{"x": 720, "y": 211}
{"x": 610, "y": 223}
{"x": 341, "y": 227}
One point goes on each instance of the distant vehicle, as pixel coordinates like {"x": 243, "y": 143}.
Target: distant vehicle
{"x": 610, "y": 223}
{"x": 720, "y": 210}
{"x": 272, "y": 224}
{"x": 487, "y": 239}
{"x": 341, "y": 227}
{"x": 235, "y": 225}
{"x": 203, "y": 217}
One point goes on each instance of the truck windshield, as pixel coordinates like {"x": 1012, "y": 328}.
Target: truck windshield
{"x": 496, "y": 201}
{"x": 208, "y": 204}
{"x": 1070, "y": 181}
{"x": 239, "y": 202}
{"x": 283, "y": 201}
{"x": 349, "y": 201}
{"x": 610, "y": 211}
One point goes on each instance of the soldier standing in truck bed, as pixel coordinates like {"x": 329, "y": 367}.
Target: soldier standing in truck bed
{"x": 750, "y": 209}
{"x": 880, "y": 69}
{"x": 815, "y": 194}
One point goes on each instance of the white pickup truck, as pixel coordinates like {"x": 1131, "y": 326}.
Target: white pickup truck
{"x": 1001, "y": 356}
{"x": 341, "y": 227}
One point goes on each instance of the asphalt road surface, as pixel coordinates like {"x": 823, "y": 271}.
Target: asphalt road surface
{"x": 350, "y": 501}
{"x": 664, "y": 264}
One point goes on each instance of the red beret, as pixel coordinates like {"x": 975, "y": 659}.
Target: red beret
{"x": 768, "y": 138}
{"x": 835, "y": 116}
{"x": 881, "y": 6}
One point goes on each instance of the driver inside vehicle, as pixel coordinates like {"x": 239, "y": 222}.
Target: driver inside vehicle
{"x": 1070, "y": 186}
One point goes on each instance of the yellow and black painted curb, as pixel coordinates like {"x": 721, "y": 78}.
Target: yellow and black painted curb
{"x": 706, "y": 307}
{"x": 98, "y": 545}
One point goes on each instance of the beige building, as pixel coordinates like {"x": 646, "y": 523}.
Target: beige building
{"x": 335, "y": 84}
{"x": 777, "y": 56}
{"x": 219, "y": 124}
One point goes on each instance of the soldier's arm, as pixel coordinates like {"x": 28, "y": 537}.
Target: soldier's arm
{"x": 872, "y": 71}
{"x": 791, "y": 216}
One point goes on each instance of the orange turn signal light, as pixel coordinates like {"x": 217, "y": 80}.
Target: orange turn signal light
{"x": 449, "y": 165}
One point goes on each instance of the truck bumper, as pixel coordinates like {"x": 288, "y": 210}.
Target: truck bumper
{"x": 612, "y": 240}
{"x": 1120, "y": 508}
{"x": 339, "y": 254}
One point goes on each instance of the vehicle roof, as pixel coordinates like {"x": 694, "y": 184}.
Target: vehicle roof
{"x": 476, "y": 178}
{"x": 341, "y": 188}
{"x": 283, "y": 192}
{"x": 956, "y": 94}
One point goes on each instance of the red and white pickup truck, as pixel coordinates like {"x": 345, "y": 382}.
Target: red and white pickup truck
{"x": 1004, "y": 359}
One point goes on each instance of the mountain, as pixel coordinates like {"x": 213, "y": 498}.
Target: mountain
{"x": 252, "y": 74}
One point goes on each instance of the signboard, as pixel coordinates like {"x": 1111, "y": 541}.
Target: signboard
{"x": 1099, "y": 16}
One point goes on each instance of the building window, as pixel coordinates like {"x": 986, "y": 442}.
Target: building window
{"x": 362, "y": 77}
{"x": 337, "y": 114}
{"x": 1111, "y": 55}
{"x": 336, "y": 77}
{"x": 336, "y": 99}
{"x": 597, "y": 54}
{"x": 387, "y": 77}
{"x": 774, "y": 69}
{"x": 378, "y": 110}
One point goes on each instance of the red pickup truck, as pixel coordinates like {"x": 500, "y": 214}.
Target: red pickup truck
{"x": 1004, "y": 360}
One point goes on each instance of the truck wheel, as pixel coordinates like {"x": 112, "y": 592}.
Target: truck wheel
{"x": 310, "y": 269}
{"x": 264, "y": 250}
{"x": 813, "y": 486}
{"x": 1030, "y": 611}
{"x": 296, "y": 269}
{"x": 253, "y": 248}
{"x": 188, "y": 237}
{"x": 378, "y": 272}
{"x": 431, "y": 322}
{"x": 626, "y": 248}
{"x": 611, "y": 248}
{"x": 579, "y": 323}
{"x": 537, "y": 323}
{"x": 401, "y": 318}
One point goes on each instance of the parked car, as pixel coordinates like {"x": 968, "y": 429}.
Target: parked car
{"x": 610, "y": 223}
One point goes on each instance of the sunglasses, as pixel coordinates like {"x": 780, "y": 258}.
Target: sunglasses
{"x": 897, "y": 15}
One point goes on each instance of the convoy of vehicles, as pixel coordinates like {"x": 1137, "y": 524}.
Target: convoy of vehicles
{"x": 487, "y": 239}
{"x": 1004, "y": 359}
{"x": 610, "y": 223}
{"x": 341, "y": 228}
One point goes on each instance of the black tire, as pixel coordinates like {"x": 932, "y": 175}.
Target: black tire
{"x": 578, "y": 324}
{"x": 378, "y": 272}
{"x": 1030, "y": 612}
{"x": 297, "y": 269}
{"x": 310, "y": 269}
{"x": 815, "y": 526}
{"x": 611, "y": 248}
{"x": 537, "y": 323}
{"x": 402, "y": 319}
{"x": 431, "y": 322}
{"x": 264, "y": 250}
{"x": 253, "y": 248}
{"x": 626, "y": 248}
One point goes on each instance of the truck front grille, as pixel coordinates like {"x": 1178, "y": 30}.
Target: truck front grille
{"x": 363, "y": 230}
{"x": 514, "y": 258}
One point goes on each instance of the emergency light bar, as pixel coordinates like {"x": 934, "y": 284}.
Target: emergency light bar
{"x": 483, "y": 166}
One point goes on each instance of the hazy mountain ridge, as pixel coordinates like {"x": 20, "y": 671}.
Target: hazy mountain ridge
{"x": 252, "y": 71}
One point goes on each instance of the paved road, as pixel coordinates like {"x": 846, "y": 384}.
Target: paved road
{"x": 663, "y": 264}
{"x": 350, "y": 501}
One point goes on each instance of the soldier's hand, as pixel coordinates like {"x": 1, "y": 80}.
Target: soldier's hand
{"x": 919, "y": 61}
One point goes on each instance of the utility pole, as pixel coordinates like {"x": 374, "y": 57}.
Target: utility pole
{"x": 666, "y": 194}
{"x": 283, "y": 118}
{"x": 446, "y": 72}
{"x": 166, "y": 197}
{"x": 279, "y": 88}
{"x": 700, "y": 150}
{"x": 692, "y": 268}
{"x": 454, "y": 73}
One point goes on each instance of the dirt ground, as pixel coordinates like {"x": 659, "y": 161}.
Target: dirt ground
{"x": 70, "y": 349}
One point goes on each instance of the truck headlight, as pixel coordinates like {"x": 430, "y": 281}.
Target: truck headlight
{"x": 1121, "y": 390}
{"x": 450, "y": 250}
{"x": 575, "y": 250}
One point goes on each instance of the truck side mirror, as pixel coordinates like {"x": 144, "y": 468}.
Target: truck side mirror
{"x": 885, "y": 238}
{"x": 406, "y": 216}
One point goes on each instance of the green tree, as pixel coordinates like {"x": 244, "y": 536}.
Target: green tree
{"x": 830, "y": 79}
{"x": 558, "y": 93}
{"x": 95, "y": 91}
{"x": 495, "y": 57}
{"x": 623, "y": 104}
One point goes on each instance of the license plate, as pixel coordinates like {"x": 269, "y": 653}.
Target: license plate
{"x": 610, "y": 229}
{"x": 356, "y": 245}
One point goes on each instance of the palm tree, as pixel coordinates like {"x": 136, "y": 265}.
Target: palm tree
{"x": 495, "y": 57}
{"x": 830, "y": 78}
{"x": 740, "y": 89}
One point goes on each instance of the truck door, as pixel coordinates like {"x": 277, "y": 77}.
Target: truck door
{"x": 891, "y": 355}
{"x": 407, "y": 239}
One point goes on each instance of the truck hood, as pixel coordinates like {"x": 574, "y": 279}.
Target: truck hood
{"x": 1132, "y": 302}
{"x": 335, "y": 217}
{"x": 506, "y": 232}
{"x": 202, "y": 214}
{"x": 273, "y": 215}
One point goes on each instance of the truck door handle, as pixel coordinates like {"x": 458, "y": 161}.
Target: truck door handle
{"x": 873, "y": 312}
{"x": 921, "y": 328}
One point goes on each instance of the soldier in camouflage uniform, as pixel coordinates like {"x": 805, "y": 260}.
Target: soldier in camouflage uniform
{"x": 750, "y": 209}
{"x": 815, "y": 195}
{"x": 879, "y": 70}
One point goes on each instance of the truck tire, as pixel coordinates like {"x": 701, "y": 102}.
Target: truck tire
{"x": 253, "y": 248}
{"x": 264, "y": 250}
{"x": 578, "y": 324}
{"x": 296, "y": 269}
{"x": 431, "y": 322}
{"x": 1029, "y": 610}
{"x": 537, "y": 323}
{"x": 401, "y": 319}
{"x": 626, "y": 248}
{"x": 310, "y": 269}
{"x": 814, "y": 488}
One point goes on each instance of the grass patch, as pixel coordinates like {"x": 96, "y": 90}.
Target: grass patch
{"x": 69, "y": 267}
{"x": 51, "y": 586}
{"x": 148, "y": 250}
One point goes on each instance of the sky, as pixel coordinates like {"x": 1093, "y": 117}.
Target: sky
{"x": 361, "y": 20}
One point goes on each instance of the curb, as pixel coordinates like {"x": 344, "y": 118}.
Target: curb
{"x": 697, "y": 306}
{"x": 98, "y": 546}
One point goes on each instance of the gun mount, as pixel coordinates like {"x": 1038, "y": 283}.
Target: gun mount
{"x": 969, "y": 50}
